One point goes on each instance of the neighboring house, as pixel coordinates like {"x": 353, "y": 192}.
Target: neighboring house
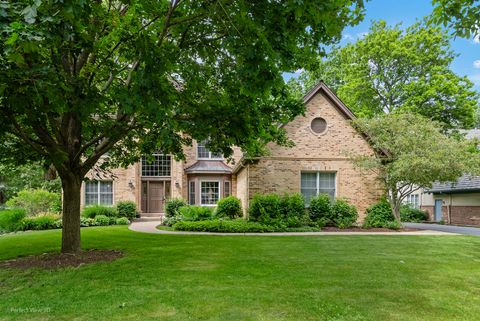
{"x": 320, "y": 162}
{"x": 454, "y": 202}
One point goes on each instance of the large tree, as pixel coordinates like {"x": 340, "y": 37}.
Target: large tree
{"x": 82, "y": 78}
{"x": 391, "y": 69}
{"x": 412, "y": 153}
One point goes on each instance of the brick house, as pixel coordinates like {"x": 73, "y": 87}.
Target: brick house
{"x": 318, "y": 163}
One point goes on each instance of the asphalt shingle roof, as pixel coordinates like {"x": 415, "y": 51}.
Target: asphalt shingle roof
{"x": 466, "y": 183}
{"x": 207, "y": 166}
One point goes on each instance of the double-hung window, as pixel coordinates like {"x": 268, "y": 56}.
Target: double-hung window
{"x": 99, "y": 193}
{"x": 204, "y": 153}
{"x": 314, "y": 183}
{"x": 209, "y": 192}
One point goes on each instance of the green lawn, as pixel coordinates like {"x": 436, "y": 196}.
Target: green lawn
{"x": 182, "y": 277}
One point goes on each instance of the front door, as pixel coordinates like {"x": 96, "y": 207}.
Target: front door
{"x": 438, "y": 210}
{"x": 155, "y": 197}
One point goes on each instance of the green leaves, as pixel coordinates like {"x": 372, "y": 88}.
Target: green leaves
{"x": 392, "y": 70}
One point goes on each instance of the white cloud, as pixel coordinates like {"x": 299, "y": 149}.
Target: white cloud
{"x": 475, "y": 79}
{"x": 361, "y": 35}
{"x": 347, "y": 36}
{"x": 476, "y": 64}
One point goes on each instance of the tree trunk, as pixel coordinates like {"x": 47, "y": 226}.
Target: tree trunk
{"x": 394, "y": 204}
{"x": 71, "y": 214}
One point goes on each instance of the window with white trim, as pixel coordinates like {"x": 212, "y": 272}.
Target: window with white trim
{"x": 191, "y": 193}
{"x": 413, "y": 200}
{"x": 209, "y": 192}
{"x": 99, "y": 193}
{"x": 160, "y": 166}
{"x": 204, "y": 153}
{"x": 315, "y": 183}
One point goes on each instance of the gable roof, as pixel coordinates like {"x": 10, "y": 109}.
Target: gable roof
{"x": 337, "y": 103}
{"x": 321, "y": 87}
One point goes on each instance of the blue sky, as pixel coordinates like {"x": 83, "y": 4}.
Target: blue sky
{"x": 409, "y": 11}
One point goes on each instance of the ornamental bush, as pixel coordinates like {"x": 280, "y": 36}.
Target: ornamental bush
{"x": 320, "y": 209}
{"x": 195, "y": 213}
{"x": 292, "y": 205}
{"x": 344, "y": 215}
{"x": 264, "y": 208}
{"x": 42, "y": 222}
{"x": 223, "y": 226}
{"x": 122, "y": 221}
{"x": 10, "y": 220}
{"x": 35, "y": 201}
{"x": 126, "y": 209}
{"x": 96, "y": 210}
{"x": 379, "y": 215}
{"x": 173, "y": 205}
{"x": 229, "y": 207}
{"x": 102, "y": 220}
{"x": 410, "y": 214}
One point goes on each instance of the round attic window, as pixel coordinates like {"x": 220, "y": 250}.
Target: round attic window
{"x": 319, "y": 125}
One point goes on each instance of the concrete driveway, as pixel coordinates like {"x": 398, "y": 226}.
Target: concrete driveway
{"x": 446, "y": 228}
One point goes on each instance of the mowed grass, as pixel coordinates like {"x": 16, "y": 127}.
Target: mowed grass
{"x": 185, "y": 277}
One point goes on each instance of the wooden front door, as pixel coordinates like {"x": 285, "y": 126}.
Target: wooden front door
{"x": 155, "y": 197}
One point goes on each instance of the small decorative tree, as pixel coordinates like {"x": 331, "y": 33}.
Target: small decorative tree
{"x": 412, "y": 153}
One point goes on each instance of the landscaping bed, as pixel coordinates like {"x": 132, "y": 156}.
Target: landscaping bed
{"x": 61, "y": 260}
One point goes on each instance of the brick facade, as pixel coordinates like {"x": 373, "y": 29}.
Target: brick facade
{"x": 461, "y": 215}
{"x": 280, "y": 171}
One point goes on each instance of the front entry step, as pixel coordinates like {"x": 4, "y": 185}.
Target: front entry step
{"x": 149, "y": 219}
{"x": 158, "y": 215}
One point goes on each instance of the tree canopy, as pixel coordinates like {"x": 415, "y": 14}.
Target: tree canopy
{"x": 460, "y": 16}
{"x": 412, "y": 153}
{"x": 391, "y": 70}
{"x": 80, "y": 78}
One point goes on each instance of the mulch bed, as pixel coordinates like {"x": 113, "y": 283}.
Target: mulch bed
{"x": 51, "y": 261}
{"x": 373, "y": 229}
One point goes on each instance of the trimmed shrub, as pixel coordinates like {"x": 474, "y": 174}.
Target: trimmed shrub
{"x": 195, "y": 213}
{"x": 379, "y": 215}
{"x": 410, "y": 214}
{"x": 236, "y": 226}
{"x": 320, "y": 209}
{"x": 122, "y": 221}
{"x": 102, "y": 220}
{"x": 173, "y": 205}
{"x": 344, "y": 214}
{"x": 43, "y": 222}
{"x": 127, "y": 209}
{"x": 35, "y": 201}
{"x": 225, "y": 226}
{"x": 170, "y": 221}
{"x": 10, "y": 220}
{"x": 96, "y": 210}
{"x": 229, "y": 207}
{"x": 292, "y": 205}
{"x": 264, "y": 208}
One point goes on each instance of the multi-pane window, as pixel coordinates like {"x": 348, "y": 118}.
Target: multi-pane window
{"x": 209, "y": 192}
{"x": 226, "y": 189}
{"x": 159, "y": 166}
{"x": 413, "y": 200}
{"x": 314, "y": 183}
{"x": 191, "y": 193}
{"x": 99, "y": 192}
{"x": 204, "y": 153}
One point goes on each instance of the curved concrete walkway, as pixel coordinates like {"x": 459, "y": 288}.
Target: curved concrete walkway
{"x": 446, "y": 228}
{"x": 151, "y": 227}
